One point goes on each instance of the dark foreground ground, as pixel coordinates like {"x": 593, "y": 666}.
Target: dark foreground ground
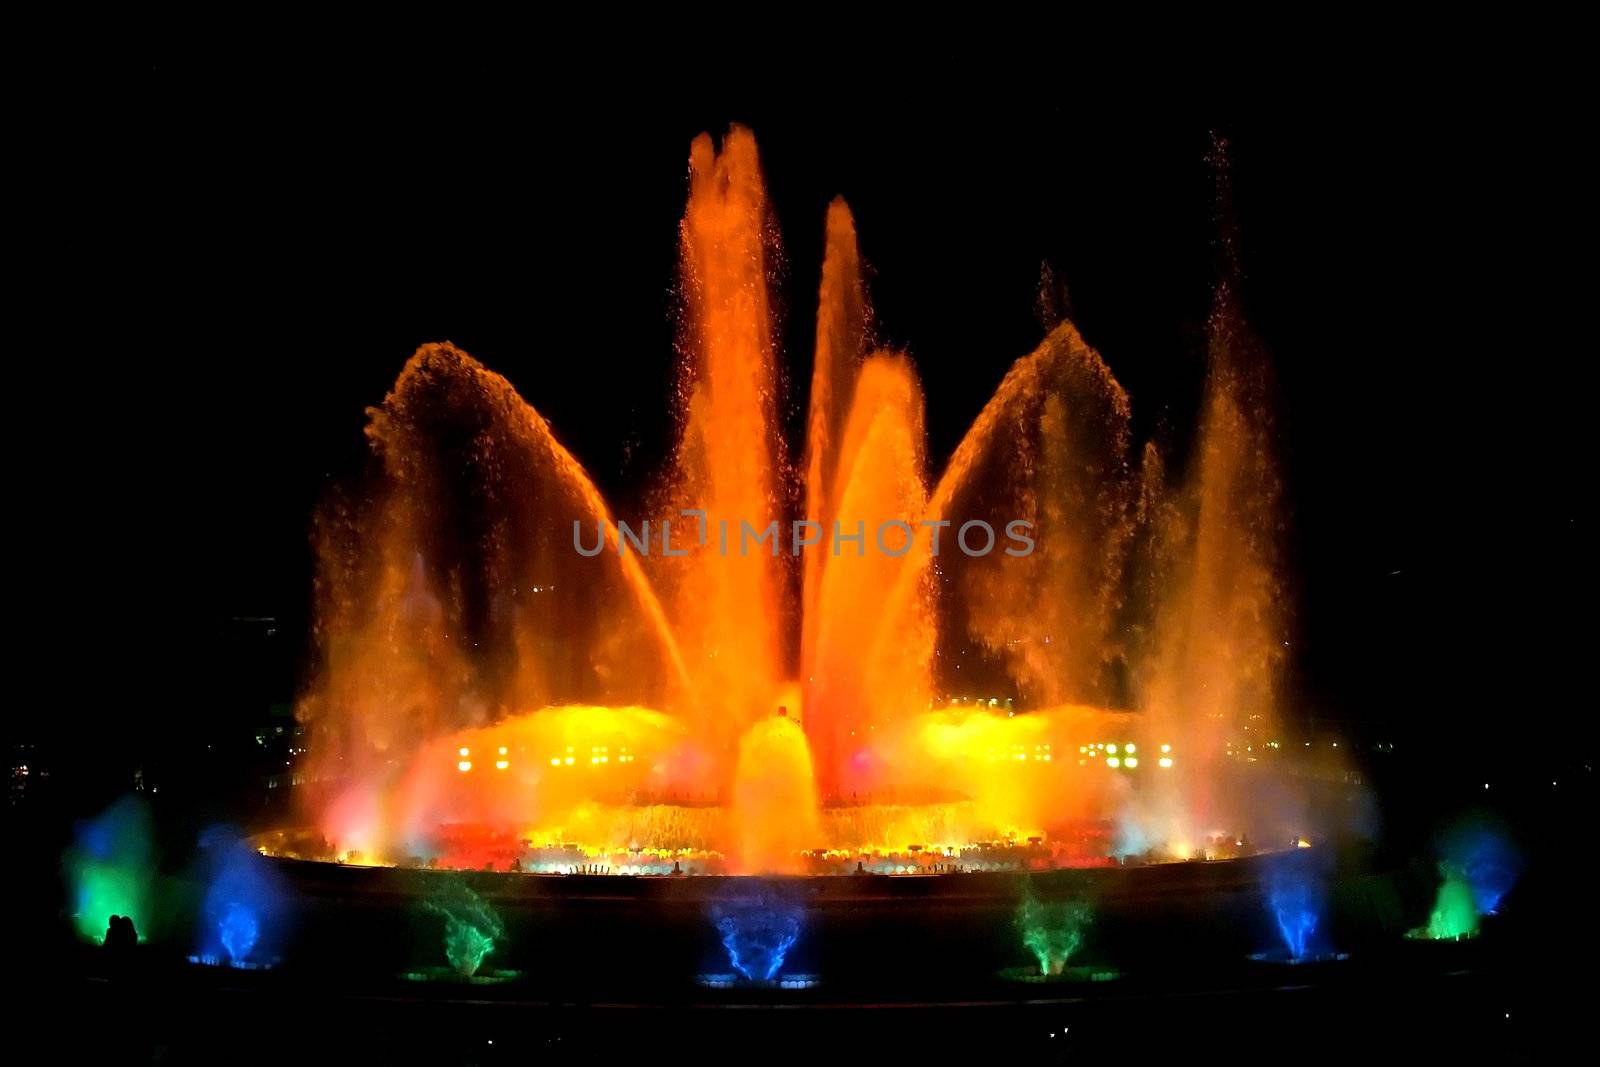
{"x": 1444, "y": 1002}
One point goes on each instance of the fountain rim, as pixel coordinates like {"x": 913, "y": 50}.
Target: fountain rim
{"x": 323, "y": 878}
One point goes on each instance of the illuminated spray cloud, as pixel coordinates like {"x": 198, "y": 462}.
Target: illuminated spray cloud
{"x": 243, "y": 910}
{"x": 110, "y": 870}
{"x": 1096, "y": 585}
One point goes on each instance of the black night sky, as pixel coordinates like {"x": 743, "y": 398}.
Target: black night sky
{"x": 222, "y": 266}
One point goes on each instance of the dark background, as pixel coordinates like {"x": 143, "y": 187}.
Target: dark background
{"x": 219, "y": 265}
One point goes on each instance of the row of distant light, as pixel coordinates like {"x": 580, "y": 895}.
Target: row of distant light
{"x": 1128, "y": 757}
{"x": 1020, "y": 752}
{"x": 628, "y": 869}
{"x": 1233, "y": 749}
{"x": 597, "y": 754}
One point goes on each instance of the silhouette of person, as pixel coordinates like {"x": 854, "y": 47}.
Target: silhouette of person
{"x": 121, "y": 937}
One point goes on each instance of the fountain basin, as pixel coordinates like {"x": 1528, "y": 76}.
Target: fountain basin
{"x": 449, "y": 975}
{"x": 739, "y": 981}
{"x": 1282, "y": 958}
{"x": 1067, "y": 975}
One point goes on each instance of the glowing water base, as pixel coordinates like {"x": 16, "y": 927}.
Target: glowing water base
{"x": 796, "y": 658}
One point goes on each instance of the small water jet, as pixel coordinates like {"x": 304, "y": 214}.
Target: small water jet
{"x": 472, "y": 931}
{"x": 243, "y": 907}
{"x": 1297, "y": 899}
{"x": 1455, "y": 913}
{"x": 1478, "y": 865}
{"x": 1053, "y": 931}
{"x": 757, "y": 932}
{"x": 1297, "y": 913}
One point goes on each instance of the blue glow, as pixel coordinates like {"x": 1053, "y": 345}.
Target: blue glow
{"x": 1482, "y": 855}
{"x": 1297, "y": 901}
{"x": 757, "y": 933}
{"x": 240, "y": 929}
{"x": 1131, "y": 839}
{"x": 1297, "y": 919}
{"x": 243, "y": 904}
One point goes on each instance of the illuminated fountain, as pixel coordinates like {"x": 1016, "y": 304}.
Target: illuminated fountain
{"x": 757, "y": 931}
{"x": 513, "y": 676}
{"x": 1480, "y": 852}
{"x": 1053, "y": 931}
{"x": 1455, "y": 913}
{"x": 472, "y": 931}
{"x": 1478, "y": 865}
{"x": 243, "y": 906}
{"x": 110, "y": 871}
{"x": 1297, "y": 899}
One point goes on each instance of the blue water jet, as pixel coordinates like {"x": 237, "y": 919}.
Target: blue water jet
{"x": 757, "y": 932}
{"x": 1298, "y": 899}
{"x": 243, "y": 906}
{"x": 1298, "y": 913}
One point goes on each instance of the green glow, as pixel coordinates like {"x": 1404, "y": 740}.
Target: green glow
{"x": 1455, "y": 916}
{"x": 465, "y": 946}
{"x": 471, "y": 926}
{"x": 104, "y": 890}
{"x": 1052, "y": 930}
{"x": 108, "y": 870}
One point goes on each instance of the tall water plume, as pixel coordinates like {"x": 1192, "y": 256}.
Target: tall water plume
{"x": 730, "y": 602}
